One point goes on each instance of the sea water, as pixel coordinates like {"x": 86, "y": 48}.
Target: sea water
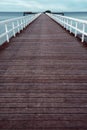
{"x": 6, "y": 16}
{"x": 78, "y": 15}
{"x": 10, "y": 15}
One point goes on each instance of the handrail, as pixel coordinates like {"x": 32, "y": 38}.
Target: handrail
{"x": 16, "y": 25}
{"x": 71, "y": 24}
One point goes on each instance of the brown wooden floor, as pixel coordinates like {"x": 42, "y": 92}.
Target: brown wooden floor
{"x": 43, "y": 80}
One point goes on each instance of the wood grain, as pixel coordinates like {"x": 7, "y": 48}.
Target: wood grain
{"x": 43, "y": 80}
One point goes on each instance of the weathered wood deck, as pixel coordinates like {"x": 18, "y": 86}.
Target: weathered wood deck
{"x": 43, "y": 80}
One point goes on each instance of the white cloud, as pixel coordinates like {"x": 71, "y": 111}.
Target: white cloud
{"x": 20, "y": 4}
{"x": 40, "y": 5}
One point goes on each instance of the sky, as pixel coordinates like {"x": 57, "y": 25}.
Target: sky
{"x": 42, "y": 5}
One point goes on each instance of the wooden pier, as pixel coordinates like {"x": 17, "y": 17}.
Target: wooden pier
{"x": 43, "y": 80}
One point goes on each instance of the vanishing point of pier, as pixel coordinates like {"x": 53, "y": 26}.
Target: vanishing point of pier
{"x": 43, "y": 79}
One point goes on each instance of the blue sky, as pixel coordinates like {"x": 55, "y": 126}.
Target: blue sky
{"x": 42, "y": 5}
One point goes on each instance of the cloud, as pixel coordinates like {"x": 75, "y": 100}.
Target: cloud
{"x": 19, "y": 3}
{"x": 40, "y": 5}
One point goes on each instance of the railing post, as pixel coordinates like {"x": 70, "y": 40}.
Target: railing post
{"x": 67, "y": 25}
{"x": 27, "y": 21}
{"x": 64, "y": 23}
{"x": 13, "y": 29}
{"x": 60, "y": 21}
{"x": 24, "y": 23}
{"x": 76, "y": 29}
{"x": 83, "y": 36}
{"x": 21, "y": 24}
{"x": 70, "y": 26}
{"x": 18, "y": 26}
{"x": 6, "y": 29}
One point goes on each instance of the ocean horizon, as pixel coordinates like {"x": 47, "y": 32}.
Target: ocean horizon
{"x": 9, "y": 15}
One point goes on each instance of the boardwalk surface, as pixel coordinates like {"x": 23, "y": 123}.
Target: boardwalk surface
{"x": 43, "y": 80}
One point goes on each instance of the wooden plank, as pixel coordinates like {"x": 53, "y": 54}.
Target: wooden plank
{"x": 43, "y": 80}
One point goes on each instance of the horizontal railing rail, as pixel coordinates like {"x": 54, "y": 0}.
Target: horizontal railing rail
{"x": 74, "y": 25}
{"x": 12, "y": 26}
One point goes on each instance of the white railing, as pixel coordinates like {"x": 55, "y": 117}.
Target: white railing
{"x": 75, "y": 26}
{"x": 12, "y": 26}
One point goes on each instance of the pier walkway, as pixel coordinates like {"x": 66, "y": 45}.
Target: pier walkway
{"x": 43, "y": 80}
